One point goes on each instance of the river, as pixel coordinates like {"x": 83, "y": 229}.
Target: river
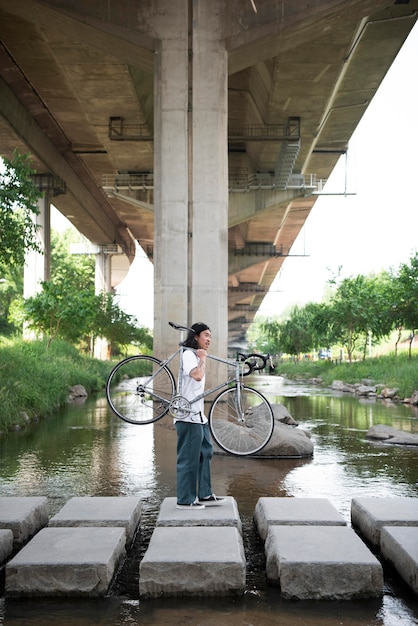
{"x": 86, "y": 451}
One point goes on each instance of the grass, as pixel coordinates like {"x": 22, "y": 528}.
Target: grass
{"x": 35, "y": 381}
{"x": 391, "y": 371}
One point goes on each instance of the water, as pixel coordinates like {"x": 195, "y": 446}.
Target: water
{"x": 86, "y": 451}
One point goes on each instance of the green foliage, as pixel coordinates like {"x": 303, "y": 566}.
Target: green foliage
{"x": 76, "y": 269}
{"x": 18, "y": 206}
{"x": 11, "y": 288}
{"x": 61, "y": 311}
{"x": 36, "y": 381}
{"x": 119, "y": 328}
{"x": 407, "y": 296}
{"x": 360, "y": 312}
{"x": 393, "y": 371}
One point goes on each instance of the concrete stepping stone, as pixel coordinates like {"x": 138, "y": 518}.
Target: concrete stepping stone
{"x": 224, "y": 513}
{"x": 399, "y": 546}
{"x": 24, "y": 516}
{"x": 321, "y": 563}
{"x": 6, "y": 544}
{"x": 193, "y": 561}
{"x": 66, "y": 562}
{"x": 100, "y": 511}
{"x": 270, "y": 511}
{"x": 369, "y": 515}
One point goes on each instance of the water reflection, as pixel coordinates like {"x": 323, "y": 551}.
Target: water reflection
{"x": 86, "y": 451}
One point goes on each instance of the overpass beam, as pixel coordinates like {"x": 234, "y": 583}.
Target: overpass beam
{"x": 191, "y": 171}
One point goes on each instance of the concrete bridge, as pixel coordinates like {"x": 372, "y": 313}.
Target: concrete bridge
{"x": 203, "y": 130}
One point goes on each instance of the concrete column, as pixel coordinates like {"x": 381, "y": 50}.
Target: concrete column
{"x": 37, "y": 264}
{"x": 209, "y": 224}
{"x": 102, "y": 272}
{"x": 191, "y": 173}
{"x": 102, "y": 284}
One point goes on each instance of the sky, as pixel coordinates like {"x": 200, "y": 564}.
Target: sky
{"x": 376, "y": 228}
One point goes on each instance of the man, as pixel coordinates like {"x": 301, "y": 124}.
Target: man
{"x": 194, "y": 447}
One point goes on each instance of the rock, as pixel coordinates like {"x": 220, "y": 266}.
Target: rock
{"x": 316, "y": 380}
{"x": 365, "y": 390}
{"x": 388, "y": 434}
{"x": 414, "y": 398}
{"x": 77, "y": 391}
{"x": 281, "y": 414}
{"x": 339, "y": 385}
{"x": 287, "y": 442}
{"x": 389, "y": 393}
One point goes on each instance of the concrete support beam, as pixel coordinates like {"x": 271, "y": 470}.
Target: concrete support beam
{"x": 37, "y": 264}
{"x": 191, "y": 191}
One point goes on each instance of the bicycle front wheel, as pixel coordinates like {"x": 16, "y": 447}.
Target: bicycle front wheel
{"x": 241, "y": 421}
{"x": 139, "y": 389}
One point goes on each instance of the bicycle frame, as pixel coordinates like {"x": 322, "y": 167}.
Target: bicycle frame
{"x": 237, "y": 378}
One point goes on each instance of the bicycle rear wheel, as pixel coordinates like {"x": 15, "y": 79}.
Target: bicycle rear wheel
{"x": 139, "y": 389}
{"x": 241, "y": 421}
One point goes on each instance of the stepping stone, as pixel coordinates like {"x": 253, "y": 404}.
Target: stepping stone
{"x": 399, "y": 546}
{"x": 193, "y": 561}
{"x": 6, "y": 544}
{"x": 369, "y": 515}
{"x": 295, "y": 511}
{"x": 66, "y": 562}
{"x": 24, "y": 516}
{"x": 100, "y": 511}
{"x": 223, "y": 514}
{"x": 321, "y": 563}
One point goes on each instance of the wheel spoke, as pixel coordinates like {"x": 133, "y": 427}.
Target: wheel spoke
{"x": 241, "y": 421}
{"x": 139, "y": 389}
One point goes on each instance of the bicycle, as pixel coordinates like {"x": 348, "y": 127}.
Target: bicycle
{"x": 142, "y": 389}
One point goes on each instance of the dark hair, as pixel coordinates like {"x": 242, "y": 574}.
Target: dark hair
{"x": 196, "y": 329}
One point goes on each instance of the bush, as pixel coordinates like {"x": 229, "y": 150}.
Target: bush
{"x": 36, "y": 381}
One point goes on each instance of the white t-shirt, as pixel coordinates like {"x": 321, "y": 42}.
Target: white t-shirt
{"x": 192, "y": 388}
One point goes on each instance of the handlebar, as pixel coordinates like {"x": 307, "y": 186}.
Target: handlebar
{"x": 253, "y": 362}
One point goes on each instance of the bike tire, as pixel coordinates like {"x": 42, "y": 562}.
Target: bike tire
{"x": 139, "y": 389}
{"x": 241, "y": 424}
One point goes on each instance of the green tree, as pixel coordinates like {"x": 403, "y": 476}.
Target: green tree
{"x": 349, "y": 313}
{"x": 18, "y": 206}
{"x": 297, "y": 333}
{"x": 11, "y": 288}
{"x": 407, "y": 296}
{"x": 119, "y": 328}
{"x": 59, "y": 310}
{"x": 76, "y": 269}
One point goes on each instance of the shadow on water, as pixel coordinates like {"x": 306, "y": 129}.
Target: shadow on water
{"x": 86, "y": 451}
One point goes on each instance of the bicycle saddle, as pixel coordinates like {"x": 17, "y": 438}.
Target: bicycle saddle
{"x": 180, "y": 327}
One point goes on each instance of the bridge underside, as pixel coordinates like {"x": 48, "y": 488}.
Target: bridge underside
{"x": 77, "y": 92}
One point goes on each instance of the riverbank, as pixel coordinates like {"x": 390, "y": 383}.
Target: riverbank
{"x": 35, "y": 380}
{"x": 394, "y": 372}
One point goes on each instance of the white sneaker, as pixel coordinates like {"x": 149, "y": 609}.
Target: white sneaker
{"x": 191, "y": 507}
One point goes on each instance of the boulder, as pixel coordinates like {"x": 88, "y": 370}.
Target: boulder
{"x": 77, "y": 391}
{"x": 414, "y": 398}
{"x": 365, "y": 390}
{"x": 388, "y": 434}
{"x": 389, "y": 393}
{"x": 287, "y": 441}
{"x": 339, "y": 385}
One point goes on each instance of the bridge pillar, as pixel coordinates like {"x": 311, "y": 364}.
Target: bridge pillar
{"x": 191, "y": 171}
{"x": 37, "y": 264}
